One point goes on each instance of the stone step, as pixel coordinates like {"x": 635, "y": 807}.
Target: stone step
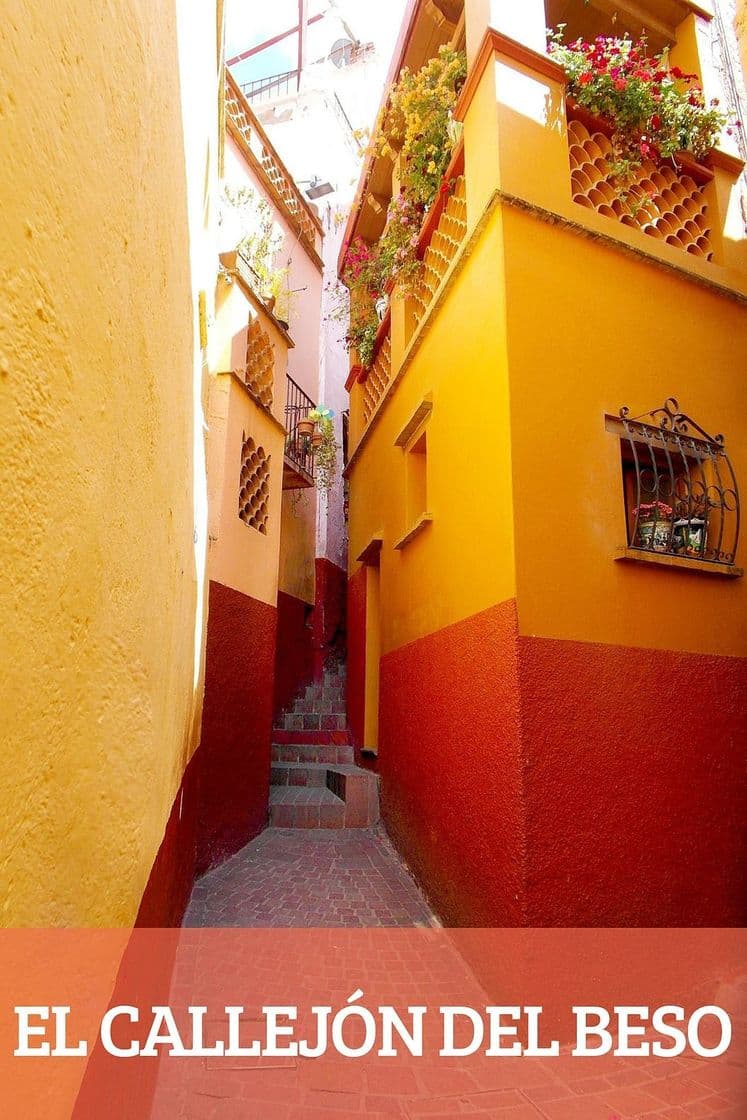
{"x": 299, "y": 774}
{"x": 299, "y": 807}
{"x": 310, "y": 753}
{"x": 318, "y": 704}
{"x": 305, "y": 796}
{"x": 282, "y": 735}
{"x": 315, "y": 721}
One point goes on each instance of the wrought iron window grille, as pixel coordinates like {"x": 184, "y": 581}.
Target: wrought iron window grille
{"x": 681, "y": 493}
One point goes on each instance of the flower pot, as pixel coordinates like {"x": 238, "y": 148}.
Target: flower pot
{"x": 305, "y": 427}
{"x": 317, "y": 439}
{"x": 654, "y": 535}
{"x": 689, "y": 536}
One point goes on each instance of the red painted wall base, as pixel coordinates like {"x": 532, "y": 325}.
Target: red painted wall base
{"x": 451, "y": 769}
{"x": 234, "y": 768}
{"x": 307, "y": 635}
{"x": 356, "y": 639}
{"x": 539, "y": 782}
{"x": 222, "y": 802}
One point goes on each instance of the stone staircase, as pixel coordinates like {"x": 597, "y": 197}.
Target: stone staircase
{"x": 314, "y": 780}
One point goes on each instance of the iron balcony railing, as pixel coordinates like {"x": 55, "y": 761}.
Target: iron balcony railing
{"x": 279, "y": 85}
{"x": 299, "y": 448}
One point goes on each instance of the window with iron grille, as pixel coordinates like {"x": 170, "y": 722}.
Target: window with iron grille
{"x": 680, "y": 490}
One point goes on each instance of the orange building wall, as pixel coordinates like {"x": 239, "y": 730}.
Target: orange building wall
{"x": 614, "y": 331}
{"x": 545, "y": 746}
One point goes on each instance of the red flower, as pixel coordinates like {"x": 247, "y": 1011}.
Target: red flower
{"x": 621, "y": 84}
{"x": 586, "y": 78}
{"x": 656, "y": 121}
{"x": 677, "y": 72}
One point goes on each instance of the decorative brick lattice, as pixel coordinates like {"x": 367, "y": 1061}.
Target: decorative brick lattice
{"x": 665, "y": 205}
{"x": 254, "y": 487}
{"x": 448, "y": 236}
{"x": 378, "y": 378}
{"x": 244, "y": 121}
{"x": 260, "y": 363}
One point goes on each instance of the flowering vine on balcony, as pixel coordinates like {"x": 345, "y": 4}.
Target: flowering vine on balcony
{"x": 417, "y": 126}
{"x": 656, "y": 110}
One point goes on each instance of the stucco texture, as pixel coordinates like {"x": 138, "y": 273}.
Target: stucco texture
{"x": 539, "y": 782}
{"x": 99, "y": 597}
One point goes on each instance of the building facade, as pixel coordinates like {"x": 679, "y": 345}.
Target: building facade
{"x": 106, "y": 245}
{"x": 557, "y": 702}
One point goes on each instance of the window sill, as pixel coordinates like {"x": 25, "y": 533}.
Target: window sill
{"x": 422, "y": 523}
{"x": 684, "y": 563}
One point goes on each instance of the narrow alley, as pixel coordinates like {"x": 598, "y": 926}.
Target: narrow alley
{"x": 325, "y": 860}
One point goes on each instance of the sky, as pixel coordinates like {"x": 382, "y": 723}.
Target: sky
{"x": 249, "y": 22}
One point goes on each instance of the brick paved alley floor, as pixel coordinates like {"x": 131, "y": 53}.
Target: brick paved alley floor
{"x": 311, "y": 878}
{"x": 354, "y": 878}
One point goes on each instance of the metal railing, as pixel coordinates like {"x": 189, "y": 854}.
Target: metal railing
{"x": 278, "y": 85}
{"x": 244, "y": 125}
{"x": 298, "y": 445}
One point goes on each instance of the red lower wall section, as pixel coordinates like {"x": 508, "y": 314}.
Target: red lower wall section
{"x": 308, "y": 635}
{"x": 222, "y": 801}
{"x": 294, "y": 665}
{"x": 451, "y": 769}
{"x": 234, "y": 751}
{"x": 356, "y": 640}
{"x": 172, "y": 876}
{"x": 330, "y": 607}
{"x": 635, "y": 785}
{"x": 555, "y": 783}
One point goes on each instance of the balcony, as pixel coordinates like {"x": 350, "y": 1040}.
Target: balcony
{"x": 298, "y": 462}
{"x": 248, "y": 133}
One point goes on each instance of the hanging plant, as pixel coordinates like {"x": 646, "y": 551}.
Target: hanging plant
{"x": 325, "y": 448}
{"x": 354, "y": 303}
{"x": 417, "y": 123}
{"x": 656, "y": 109}
{"x": 248, "y": 225}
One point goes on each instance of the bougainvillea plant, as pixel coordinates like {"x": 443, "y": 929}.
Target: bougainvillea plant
{"x": 417, "y": 124}
{"x": 656, "y": 109}
{"x": 362, "y": 275}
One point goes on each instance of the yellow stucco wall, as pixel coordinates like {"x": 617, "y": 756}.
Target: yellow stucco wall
{"x": 296, "y": 574}
{"x": 463, "y": 561}
{"x": 99, "y": 405}
{"x": 741, "y": 28}
{"x": 240, "y": 556}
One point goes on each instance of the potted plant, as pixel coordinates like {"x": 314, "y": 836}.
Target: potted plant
{"x": 689, "y": 536}
{"x": 654, "y": 526}
{"x": 325, "y": 448}
{"x": 655, "y": 110}
{"x": 305, "y": 425}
